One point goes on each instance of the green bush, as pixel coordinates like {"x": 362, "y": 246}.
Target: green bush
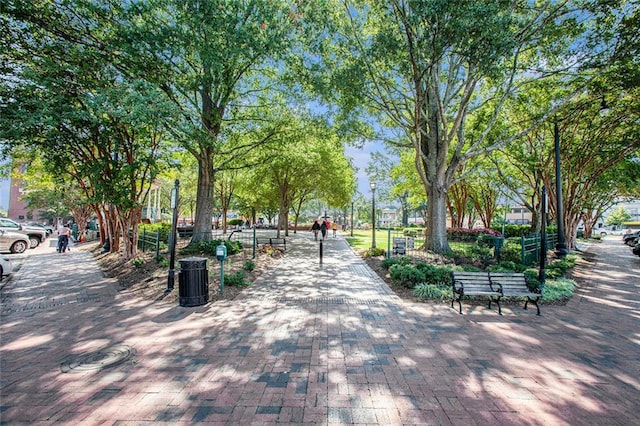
{"x": 512, "y": 250}
{"x": 235, "y": 222}
{"x": 531, "y": 276}
{"x": 163, "y": 262}
{"x": 435, "y": 274}
{"x": 249, "y": 265}
{"x": 475, "y": 252}
{"x": 388, "y": 263}
{"x": 236, "y": 279}
{"x": 514, "y": 230}
{"x": 137, "y": 262}
{"x": 432, "y": 291}
{"x": 209, "y": 247}
{"x": 374, "y": 252}
{"x": 410, "y": 232}
{"x": 152, "y": 228}
{"x": 558, "y": 290}
{"x": 506, "y": 266}
{"x": 485, "y": 240}
{"x": 406, "y": 275}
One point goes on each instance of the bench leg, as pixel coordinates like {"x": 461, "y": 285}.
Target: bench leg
{"x": 458, "y": 300}
{"x": 535, "y": 302}
{"x": 497, "y": 302}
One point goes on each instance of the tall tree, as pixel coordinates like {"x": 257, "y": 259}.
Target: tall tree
{"x": 427, "y": 68}
{"x": 218, "y": 61}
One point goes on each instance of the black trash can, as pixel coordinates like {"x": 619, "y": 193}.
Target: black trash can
{"x": 193, "y": 281}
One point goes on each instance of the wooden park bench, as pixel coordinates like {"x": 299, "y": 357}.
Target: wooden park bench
{"x": 514, "y": 285}
{"x": 273, "y": 242}
{"x": 474, "y": 284}
{"x": 278, "y": 243}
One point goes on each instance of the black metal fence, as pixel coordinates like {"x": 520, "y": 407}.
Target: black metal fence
{"x": 157, "y": 240}
{"x": 526, "y": 249}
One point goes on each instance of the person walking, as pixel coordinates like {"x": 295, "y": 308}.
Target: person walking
{"x": 323, "y": 229}
{"x": 315, "y": 228}
{"x": 64, "y": 233}
{"x": 334, "y": 228}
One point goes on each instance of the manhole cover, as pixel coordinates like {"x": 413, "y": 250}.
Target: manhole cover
{"x": 104, "y": 358}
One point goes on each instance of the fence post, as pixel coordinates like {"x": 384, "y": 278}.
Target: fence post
{"x": 522, "y": 251}
{"x": 389, "y": 243}
{"x": 158, "y": 244}
{"x": 254, "y": 242}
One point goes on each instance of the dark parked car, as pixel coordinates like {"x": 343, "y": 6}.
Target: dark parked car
{"x": 631, "y": 239}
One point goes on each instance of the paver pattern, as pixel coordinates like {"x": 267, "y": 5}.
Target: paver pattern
{"x": 315, "y": 344}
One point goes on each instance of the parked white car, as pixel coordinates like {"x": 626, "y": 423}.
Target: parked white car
{"x": 36, "y": 235}
{"x": 5, "y": 266}
{"x": 14, "y": 242}
{"x": 608, "y": 230}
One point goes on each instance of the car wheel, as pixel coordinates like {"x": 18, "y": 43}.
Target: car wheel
{"x": 18, "y": 247}
{"x": 34, "y": 242}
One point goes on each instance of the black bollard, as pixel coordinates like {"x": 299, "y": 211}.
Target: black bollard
{"x": 321, "y": 252}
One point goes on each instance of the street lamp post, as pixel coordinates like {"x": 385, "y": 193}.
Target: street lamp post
{"x": 373, "y": 214}
{"x": 561, "y": 248}
{"x": 352, "y": 218}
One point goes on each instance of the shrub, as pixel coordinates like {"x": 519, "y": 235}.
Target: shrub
{"x": 481, "y": 254}
{"x": 511, "y": 251}
{"x": 374, "y": 252}
{"x": 435, "y": 274}
{"x": 388, "y": 263}
{"x": 249, "y": 265}
{"x": 236, "y": 279}
{"x": 406, "y": 275}
{"x": 152, "y": 228}
{"x": 410, "y": 232}
{"x": 531, "y": 276}
{"x": 235, "y": 222}
{"x": 137, "y": 262}
{"x": 485, "y": 240}
{"x": 558, "y": 290}
{"x": 515, "y": 230}
{"x": 432, "y": 291}
{"x": 209, "y": 247}
{"x": 506, "y": 266}
{"x": 163, "y": 262}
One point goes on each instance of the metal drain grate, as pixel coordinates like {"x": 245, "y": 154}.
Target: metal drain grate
{"x": 104, "y": 358}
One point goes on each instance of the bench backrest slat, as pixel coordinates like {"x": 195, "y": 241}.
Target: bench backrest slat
{"x": 471, "y": 277}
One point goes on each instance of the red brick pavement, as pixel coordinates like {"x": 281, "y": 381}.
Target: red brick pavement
{"x": 315, "y": 344}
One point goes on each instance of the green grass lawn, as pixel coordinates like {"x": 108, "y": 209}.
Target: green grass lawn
{"x": 362, "y": 239}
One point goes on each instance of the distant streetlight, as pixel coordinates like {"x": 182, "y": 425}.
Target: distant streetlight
{"x": 373, "y": 214}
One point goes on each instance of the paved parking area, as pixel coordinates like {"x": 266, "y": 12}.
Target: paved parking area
{"x": 315, "y": 344}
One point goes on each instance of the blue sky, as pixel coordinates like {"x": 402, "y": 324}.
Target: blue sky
{"x": 4, "y": 194}
{"x": 361, "y": 157}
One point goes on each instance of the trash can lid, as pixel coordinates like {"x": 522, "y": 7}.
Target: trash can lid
{"x": 192, "y": 259}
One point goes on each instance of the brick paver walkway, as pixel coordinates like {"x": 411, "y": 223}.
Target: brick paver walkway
{"x": 315, "y": 344}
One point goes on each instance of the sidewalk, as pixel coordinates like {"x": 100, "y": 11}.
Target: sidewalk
{"x": 314, "y": 344}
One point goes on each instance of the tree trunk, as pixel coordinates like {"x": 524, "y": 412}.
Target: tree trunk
{"x": 436, "y": 237}
{"x": 204, "y": 198}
